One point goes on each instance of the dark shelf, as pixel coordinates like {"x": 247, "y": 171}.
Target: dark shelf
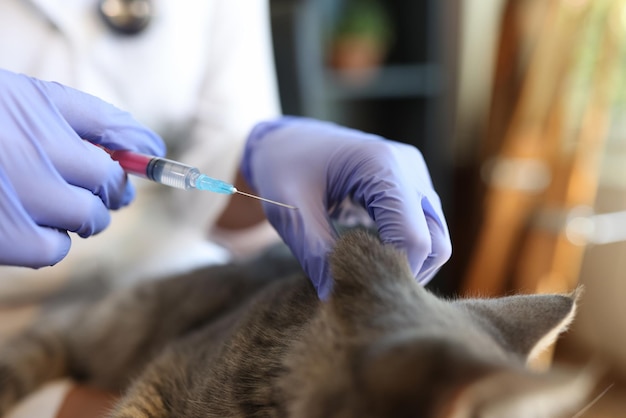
{"x": 391, "y": 81}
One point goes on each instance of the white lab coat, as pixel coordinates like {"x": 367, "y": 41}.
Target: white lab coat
{"x": 201, "y": 75}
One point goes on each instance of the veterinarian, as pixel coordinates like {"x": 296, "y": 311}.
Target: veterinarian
{"x": 202, "y": 77}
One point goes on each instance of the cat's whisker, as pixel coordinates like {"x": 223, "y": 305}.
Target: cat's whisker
{"x": 593, "y": 402}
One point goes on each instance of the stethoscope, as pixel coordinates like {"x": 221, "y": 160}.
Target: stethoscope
{"x": 127, "y": 17}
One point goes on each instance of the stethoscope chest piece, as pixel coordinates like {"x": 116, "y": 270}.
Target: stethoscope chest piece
{"x": 127, "y": 17}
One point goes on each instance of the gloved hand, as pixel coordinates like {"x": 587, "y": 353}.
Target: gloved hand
{"x": 51, "y": 180}
{"x": 315, "y": 166}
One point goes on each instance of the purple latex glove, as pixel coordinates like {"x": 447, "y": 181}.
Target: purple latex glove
{"x": 51, "y": 180}
{"x": 316, "y": 165}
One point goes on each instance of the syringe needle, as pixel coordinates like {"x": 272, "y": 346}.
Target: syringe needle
{"x": 266, "y": 200}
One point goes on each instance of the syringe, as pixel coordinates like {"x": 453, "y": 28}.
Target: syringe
{"x": 175, "y": 174}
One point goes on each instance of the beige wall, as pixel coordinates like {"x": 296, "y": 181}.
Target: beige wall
{"x": 600, "y": 327}
{"x": 480, "y": 20}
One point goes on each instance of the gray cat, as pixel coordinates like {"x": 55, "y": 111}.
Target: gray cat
{"x": 253, "y": 340}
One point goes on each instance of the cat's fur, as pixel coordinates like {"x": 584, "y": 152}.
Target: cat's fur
{"x": 253, "y": 340}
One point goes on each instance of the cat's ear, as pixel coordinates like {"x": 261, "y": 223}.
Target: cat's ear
{"x": 524, "y": 324}
{"x": 520, "y": 394}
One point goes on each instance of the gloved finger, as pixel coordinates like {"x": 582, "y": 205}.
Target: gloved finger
{"x": 409, "y": 234}
{"x": 129, "y": 194}
{"x": 22, "y": 241}
{"x": 438, "y": 257}
{"x": 74, "y": 209}
{"x": 87, "y": 216}
{"x": 100, "y": 122}
{"x": 36, "y": 247}
{"x": 441, "y": 249}
{"x": 87, "y": 166}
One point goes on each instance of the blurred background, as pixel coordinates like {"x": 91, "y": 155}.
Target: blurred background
{"x": 518, "y": 108}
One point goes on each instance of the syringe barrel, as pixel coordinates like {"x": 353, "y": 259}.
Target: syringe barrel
{"x": 172, "y": 173}
{"x": 161, "y": 170}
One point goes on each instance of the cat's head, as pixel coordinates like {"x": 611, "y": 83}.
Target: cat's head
{"x": 383, "y": 346}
